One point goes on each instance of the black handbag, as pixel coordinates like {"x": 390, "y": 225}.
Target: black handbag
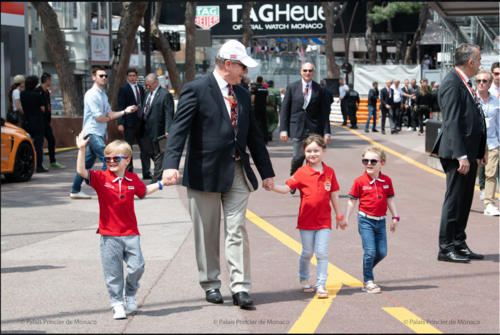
{"x": 12, "y": 116}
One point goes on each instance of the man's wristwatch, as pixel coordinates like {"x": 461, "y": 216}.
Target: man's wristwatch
{"x": 395, "y": 218}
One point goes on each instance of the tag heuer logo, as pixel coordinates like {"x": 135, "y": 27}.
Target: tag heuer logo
{"x": 207, "y": 16}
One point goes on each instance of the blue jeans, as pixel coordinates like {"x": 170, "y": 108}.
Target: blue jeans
{"x": 374, "y": 238}
{"x": 95, "y": 149}
{"x": 314, "y": 242}
{"x": 372, "y": 110}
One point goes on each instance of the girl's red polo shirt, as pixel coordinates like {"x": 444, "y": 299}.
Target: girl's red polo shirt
{"x": 116, "y": 201}
{"x": 372, "y": 194}
{"x": 315, "y": 212}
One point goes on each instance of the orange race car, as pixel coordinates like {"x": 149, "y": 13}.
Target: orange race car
{"x": 18, "y": 153}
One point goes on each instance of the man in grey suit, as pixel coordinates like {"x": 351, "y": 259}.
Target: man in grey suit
{"x": 156, "y": 117}
{"x": 461, "y": 142}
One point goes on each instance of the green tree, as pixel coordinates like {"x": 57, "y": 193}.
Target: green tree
{"x": 388, "y": 11}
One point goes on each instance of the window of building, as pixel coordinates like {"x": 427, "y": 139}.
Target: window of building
{"x": 99, "y": 17}
{"x": 68, "y": 14}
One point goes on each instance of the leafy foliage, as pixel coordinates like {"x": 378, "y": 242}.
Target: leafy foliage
{"x": 383, "y": 13}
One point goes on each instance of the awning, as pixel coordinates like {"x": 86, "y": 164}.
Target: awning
{"x": 433, "y": 34}
{"x": 281, "y": 40}
{"x": 294, "y": 40}
{"x": 317, "y": 41}
{"x": 304, "y": 40}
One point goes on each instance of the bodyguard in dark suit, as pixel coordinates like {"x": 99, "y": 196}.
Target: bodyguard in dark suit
{"x": 386, "y": 102}
{"x": 304, "y": 111}
{"x": 217, "y": 115}
{"x": 131, "y": 94}
{"x": 461, "y": 142}
{"x": 155, "y": 120}
{"x": 436, "y": 110}
{"x": 407, "y": 111}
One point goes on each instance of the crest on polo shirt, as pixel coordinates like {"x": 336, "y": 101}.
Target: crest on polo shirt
{"x": 328, "y": 184}
{"x": 108, "y": 185}
{"x": 386, "y": 186}
{"x": 367, "y": 188}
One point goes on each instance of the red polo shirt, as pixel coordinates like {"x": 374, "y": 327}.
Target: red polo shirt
{"x": 315, "y": 212}
{"x": 372, "y": 194}
{"x": 116, "y": 201}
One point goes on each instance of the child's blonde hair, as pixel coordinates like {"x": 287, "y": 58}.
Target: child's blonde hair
{"x": 313, "y": 138}
{"x": 378, "y": 150}
{"x": 118, "y": 145}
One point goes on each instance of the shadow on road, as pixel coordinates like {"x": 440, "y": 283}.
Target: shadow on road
{"x": 30, "y": 269}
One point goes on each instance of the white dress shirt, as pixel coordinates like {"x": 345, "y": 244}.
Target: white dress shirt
{"x": 398, "y": 93}
{"x": 134, "y": 89}
{"x": 342, "y": 90}
{"x": 495, "y": 90}
{"x": 224, "y": 90}
{"x": 153, "y": 97}
{"x": 308, "y": 97}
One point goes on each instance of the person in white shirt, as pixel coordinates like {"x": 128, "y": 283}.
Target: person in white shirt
{"x": 495, "y": 86}
{"x": 426, "y": 63}
{"x": 343, "y": 104}
{"x": 398, "y": 103}
{"x": 15, "y": 98}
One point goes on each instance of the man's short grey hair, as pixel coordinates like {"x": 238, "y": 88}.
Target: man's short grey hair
{"x": 323, "y": 83}
{"x": 490, "y": 76}
{"x": 309, "y": 63}
{"x": 219, "y": 62}
{"x": 151, "y": 77}
{"x": 464, "y": 53}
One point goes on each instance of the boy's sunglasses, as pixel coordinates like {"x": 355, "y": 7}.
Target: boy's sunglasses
{"x": 371, "y": 161}
{"x": 116, "y": 159}
{"x": 103, "y": 76}
{"x": 479, "y": 81}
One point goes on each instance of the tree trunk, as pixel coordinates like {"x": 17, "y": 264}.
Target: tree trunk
{"x": 371, "y": 43}
{"x": 133, "y": 12}
{"x": 332, "y": 13}
{"x": 424, "y": 14}
{"x": 247, "y": 29}
{"x": 164, "y": 47}
{"x": 60, "y": 56}
{"x": 190, "y": 36}
{"x": 396, "y": 41}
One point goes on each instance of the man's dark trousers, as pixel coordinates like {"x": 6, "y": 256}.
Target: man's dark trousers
{"x": 351, "y": 108}
{"x": 396, "y": 114}
{"x": 129, "y": 134}
{"x": 298, "y": 153}
{"x": 261, "y": 115}
{"x": 51, "y": 141}
{"x": 343, "y": 108}
{"x": 456, "y": 206}
{"x": 152, "y": 149}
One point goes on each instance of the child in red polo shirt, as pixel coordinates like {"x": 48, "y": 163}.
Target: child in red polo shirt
{"x": 120, "y": 239}
{"x": 375, "y": 193}
{"x": 318, "y": 187}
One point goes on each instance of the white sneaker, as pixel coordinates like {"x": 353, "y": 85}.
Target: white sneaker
{"x": 417, "y": 128}
{"x": 119, "y": 312}
{"x": 79, "y": 195}
{"x": 409, "y": 129}
{"x": 131, "y": 304}
{"x": 491, "y": 210}
{"x": 481, "y": 197}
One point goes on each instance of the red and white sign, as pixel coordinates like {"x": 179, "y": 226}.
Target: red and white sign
{"x": 100, "y": 48}
{"x": 12, "y": 14}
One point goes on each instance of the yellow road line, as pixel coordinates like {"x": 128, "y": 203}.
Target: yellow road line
{"x": 61, "y": 149}
{"x": 408, "y": 159}
{"x": 410, "y": 320}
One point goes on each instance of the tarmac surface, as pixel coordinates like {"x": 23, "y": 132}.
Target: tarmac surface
{"x": 52, "y": 280}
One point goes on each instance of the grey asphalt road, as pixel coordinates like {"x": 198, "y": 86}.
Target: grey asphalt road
{"x": 52, "y": 281}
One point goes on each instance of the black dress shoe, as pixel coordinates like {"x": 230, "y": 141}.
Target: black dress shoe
{"x": 293, "y": 191}
{"x": 393, "y": 132}
{"x": 374, "y": 131}
{"x": 214, "y": 296}
{"x": 41, "y": 169}
{"x": 242, "y": 299}
{"x": 467, "y": 253}
{"x": 383, "y": 132}
{"x": 453, "y": 257}
{"x": 344, "y": 124}
{"x": 353, "y": 127}
{"x": 147, "y": 177}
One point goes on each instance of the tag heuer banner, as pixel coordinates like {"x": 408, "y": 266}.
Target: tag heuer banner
{"x": 207, "y": 16}
{"x": 278, "y": 19}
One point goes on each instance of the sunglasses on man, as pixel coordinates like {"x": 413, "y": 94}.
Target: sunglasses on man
{"x": 371, "y": 161}
{"x": 306, "y": 70}
{"x": 479, "y": 81}
{"x": 103, "y": 76}
{"x": 496, "y": 74}
{"x": 116, "y": 159}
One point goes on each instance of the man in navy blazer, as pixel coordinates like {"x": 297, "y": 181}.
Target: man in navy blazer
{"x": 304, "y": 111}
{"x": 131, "y": 94}
{"x": 216, "y": 113}
{"x": 386, "y": 102}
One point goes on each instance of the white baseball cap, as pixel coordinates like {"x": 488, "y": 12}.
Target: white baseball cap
{"x": 234, "y": 50}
